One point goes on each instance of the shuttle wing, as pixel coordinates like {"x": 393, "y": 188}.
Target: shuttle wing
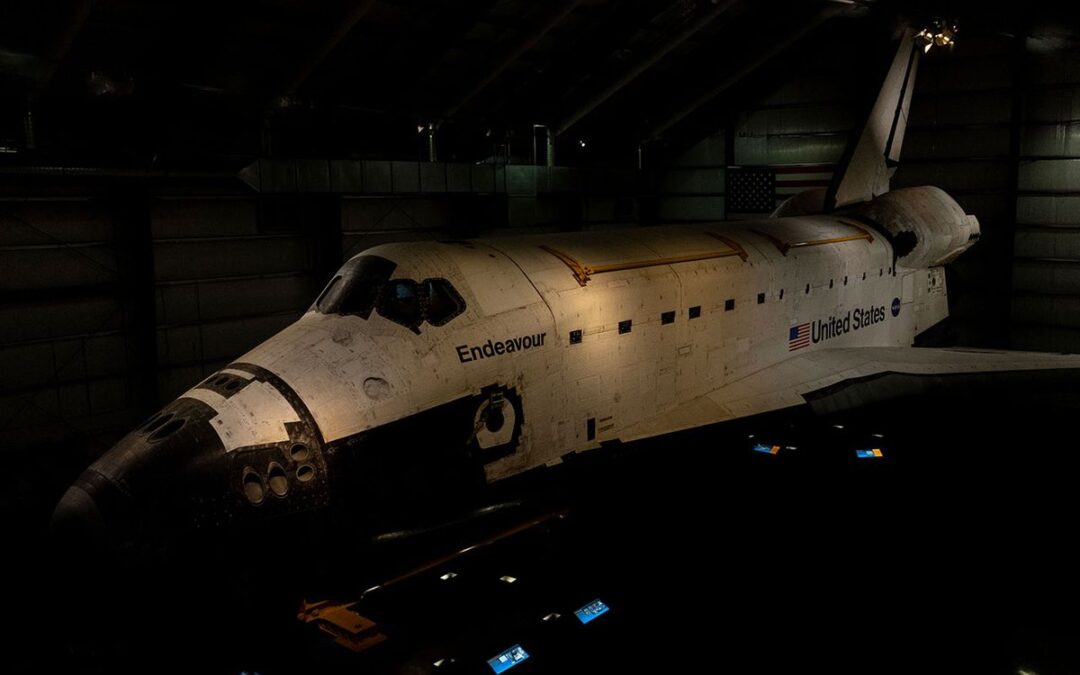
{"x": 794, "y": 381}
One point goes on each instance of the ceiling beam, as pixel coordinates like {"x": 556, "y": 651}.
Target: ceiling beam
{"x": 71, "y": 22}
{"x": 737, "y": 76}
{"x": 512, "y": 54}
{"x": 342, "y": 28}
{"x": 692, "y": 26}
{"x": 433, "y": 34}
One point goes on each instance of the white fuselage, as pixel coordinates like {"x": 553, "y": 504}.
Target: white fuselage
{"x": 546, "y": 315}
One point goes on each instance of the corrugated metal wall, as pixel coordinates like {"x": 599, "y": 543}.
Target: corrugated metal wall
{"x": 800, "y": 129}
{"x": 1046, "y": 269}
{"x": 796, "y": 125}
{"x": 693, "y": 188}
{"x": 522, "y": 197}
{"x": 64, "y": 325}
{"x": 225, "y": 280}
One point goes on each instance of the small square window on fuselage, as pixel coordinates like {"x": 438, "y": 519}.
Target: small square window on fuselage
{"x": 625, "y": 326}
{"x": 575, "y": 337}
{"x": 667, "y": 317}
{"x": 695, "y": 311}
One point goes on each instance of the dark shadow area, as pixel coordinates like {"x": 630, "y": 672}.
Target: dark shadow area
{"x": 952, "y": 552}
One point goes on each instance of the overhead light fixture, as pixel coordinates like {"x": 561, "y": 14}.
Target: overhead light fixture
{"x": 508, "y": 579}
{"x": 448, "y": 576}
{"x": 940, "y": 33}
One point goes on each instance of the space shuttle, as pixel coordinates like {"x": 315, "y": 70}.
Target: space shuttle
{"x": 424, "y": 367}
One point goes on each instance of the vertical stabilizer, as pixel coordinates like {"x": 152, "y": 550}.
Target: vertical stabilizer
{"x": 869, "y": 167}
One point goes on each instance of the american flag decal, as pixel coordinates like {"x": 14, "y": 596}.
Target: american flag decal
{"x": 798, "y": 337}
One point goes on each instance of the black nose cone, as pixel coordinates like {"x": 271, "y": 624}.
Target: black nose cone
{"x": 90, "y": 510}
{"x": 77, "y": 516}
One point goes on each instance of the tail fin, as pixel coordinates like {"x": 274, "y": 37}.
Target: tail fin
{"x": 873, "y": 161}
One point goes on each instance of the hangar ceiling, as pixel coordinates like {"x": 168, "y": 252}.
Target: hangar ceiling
{"x": 170, "y": 84}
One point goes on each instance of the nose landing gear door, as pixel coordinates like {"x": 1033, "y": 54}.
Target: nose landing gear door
{"x": 496, "y": 426}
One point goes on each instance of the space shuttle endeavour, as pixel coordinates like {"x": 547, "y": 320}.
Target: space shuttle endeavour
{"x": 450, "y": 362}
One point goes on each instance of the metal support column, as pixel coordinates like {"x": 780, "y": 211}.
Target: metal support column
{"x": 29, "y": 133}
{"x": 432, "y": 155}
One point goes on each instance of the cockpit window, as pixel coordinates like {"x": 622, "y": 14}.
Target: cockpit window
{"x": 409, "y": 303}
{"x": 443, "y": 302}
{"x": 364, "y": 284}
{"x": 356, "y": 287}
{"x": 400, "y": 302}
{"x": 323, "y": 301}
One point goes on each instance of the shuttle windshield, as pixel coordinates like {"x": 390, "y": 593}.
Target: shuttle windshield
{"x": 400, "y": 302}
{"x": 364, "y": 284}
{"x": 443, "y": 302}
{"x": 356, "y": 286}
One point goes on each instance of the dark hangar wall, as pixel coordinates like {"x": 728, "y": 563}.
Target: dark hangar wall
{"x": 1046, "y": 265}
{"x": 113, "y": 305}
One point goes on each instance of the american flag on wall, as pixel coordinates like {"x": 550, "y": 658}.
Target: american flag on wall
{"x": 798, "y": 337}
{"x": 750, "y": 189}
{"x": 756, "y": 190}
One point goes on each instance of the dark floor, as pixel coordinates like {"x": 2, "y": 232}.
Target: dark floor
{"x": 955, "y": 552}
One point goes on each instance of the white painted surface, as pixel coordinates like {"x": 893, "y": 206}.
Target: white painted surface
{"x": 728, "y": 362}
{"x": 254, "y": 415}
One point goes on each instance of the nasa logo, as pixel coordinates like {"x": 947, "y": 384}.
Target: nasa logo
{"x": 896, "y": 306}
